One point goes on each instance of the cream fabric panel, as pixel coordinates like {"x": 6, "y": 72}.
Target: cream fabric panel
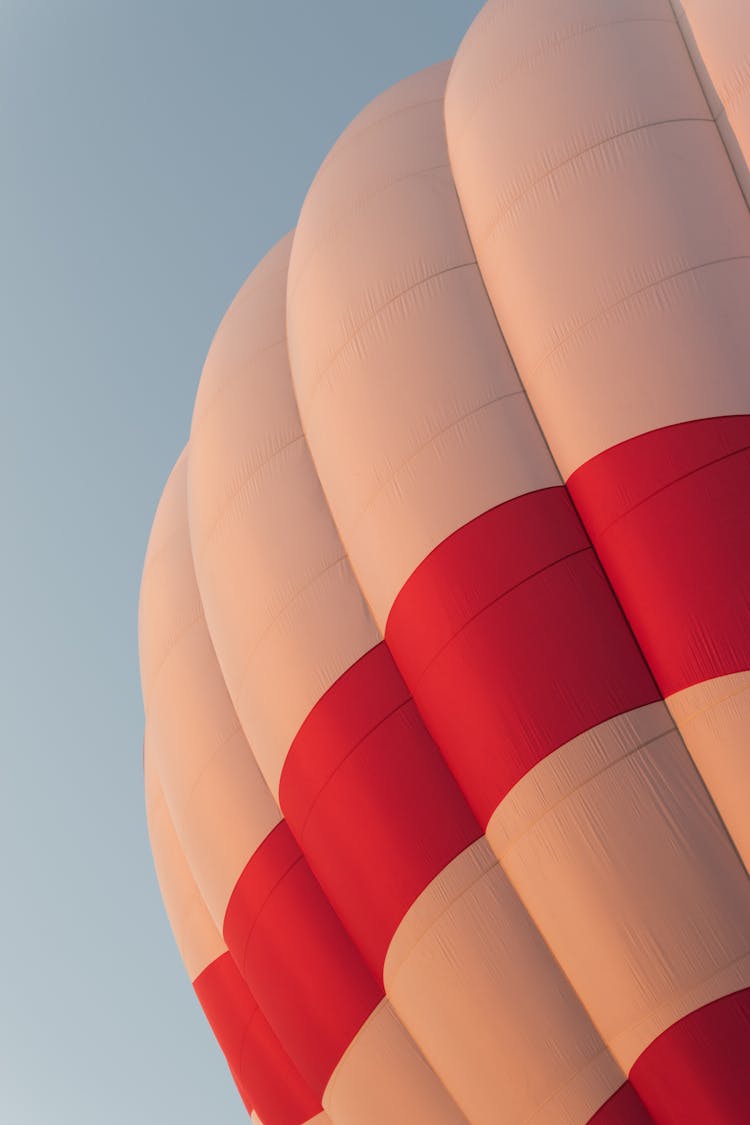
{"x": 714, "y": 718}
{"x": 614, "y": 890}
{"x": 267, "y": 609}
{"x": 218, "y": 800}
{"x": 383, "y": 1046}
{"x": 408, "y": 397}
{"x": 197, "y": 937}
{"x": 260, "y": 306}
{"x": 285, "y": 543}
{"x": 483, "y": 1026}
{"x": 198, "y": 940}
{"x": 159, "y": 624}
{"x": 225, "y": 812}
{"x": 717, "y": 33}
{"x": 336, "y": 198}
{"x": 614, "y": 188}
{"x": 367, "y": 389}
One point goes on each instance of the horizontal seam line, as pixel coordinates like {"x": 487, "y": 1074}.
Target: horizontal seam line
{"x": 420, "y": 449}
{"x": 175, "y": 641}
{"x": 265, "y": 901}
{"x": 526, "y": 62}
{"x": 343, "y": 142}
{"x": 494, "y": 865}
{"x": 373, "y": 316}
{"x": 152, "y": 557}
{"x": 604, "y": 1053}
{"x": 625, "y": 1031}
{"x": 246, "y": 366}
{"x": 629, "y": 297}
{"x": 242, "y": 484}
{"x": 346, "y": 757}
{"x": 671, "y": 484}
{"x": 344, "y": 558}
{"x": 517, "y": 839}
{"x": 494, "y": 601}
{"x": 332, "y": 229}
{"x": 709, "y": 706}
{"x": 222, "y": 743}
{"x": 585, "y": 152}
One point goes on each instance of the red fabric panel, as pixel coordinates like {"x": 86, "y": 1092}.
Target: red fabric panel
{"x": 669, "y": 515}
{"x": 280, "y": 1094}
{"x": 623, "y": 1108}
{"x": 267, "y": 867}
{"x": 697, "y": 1072}
{"x": 372, "y": 802}
{"x": 264, "y": 1074}
{"x": 512, "y": 643}
{"x": 297, "y": 959}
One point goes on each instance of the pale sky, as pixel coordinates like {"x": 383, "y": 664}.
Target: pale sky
{"x": 152, "y": 151}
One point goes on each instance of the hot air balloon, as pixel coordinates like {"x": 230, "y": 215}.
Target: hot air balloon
{"x": 444, "y": 630}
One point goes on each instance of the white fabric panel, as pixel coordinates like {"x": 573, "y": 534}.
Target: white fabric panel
{"x": 226, "y": 810}
{"x": 285, "y": 613}
{"x": 617, "y": 851}
{"x": 197, "y": 938}
{"x": 357, "y": 1093}
{"x": 196, "y": 935}
{"x": 386, "y": 356}
{"x": 160, "y": 623}
{"x": 287, "y": 617}
{"x": 218, "y": 800}
{"x": 483, "y": 1027}
{"x": 607, "y": 221}
{"x": 280, "y": 539}
{"x": 717, "y": 34}
{"x": 407, "y": 394}
{"x": 714, "y": 718}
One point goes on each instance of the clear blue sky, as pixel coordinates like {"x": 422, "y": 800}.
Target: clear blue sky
{"x": 152, "y": 151}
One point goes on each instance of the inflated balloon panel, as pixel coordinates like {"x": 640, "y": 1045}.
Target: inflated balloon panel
{"x": 444, "y": 626}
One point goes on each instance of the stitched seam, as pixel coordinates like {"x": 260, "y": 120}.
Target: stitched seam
{"x": 518, "y": 839}
{"x": 629, "y": 297}
{"x": 241, "y": 373}
{"x": 529, "y": 60}
{"x": 494, "y": 601}
{"x": 425, "y": 445}
{"x": 685, "y": 719}
{"x": 585, "y": 152}
{"x": 173, "y": 644}
{"x": 265, "y": 901}
{"x": 208, "y": 762}
{"x": 670, "y": 484}
{"x": 259, "y": 639}
{"x": 373, "y": 316}
{"x": 241, "y": 485}
{"x": 692, "y": 986}
{"x": 434, "y": 919}
{"x": 346, "y": 757}
{"x": 359, "y": 204}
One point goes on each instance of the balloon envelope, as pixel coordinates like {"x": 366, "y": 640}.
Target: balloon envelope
{"x": 444, "y": 637}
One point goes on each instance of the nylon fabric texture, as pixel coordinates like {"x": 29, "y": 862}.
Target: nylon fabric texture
{"x": 444, "y": 629}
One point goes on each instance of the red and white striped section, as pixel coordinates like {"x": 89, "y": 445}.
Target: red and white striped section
{"x": 284, "y": 937}
{"x": 263, "y": 1073}
{"x": 615, "y": 244}
{"x": 498, "y": 613}
{"x": 363, "y": 787}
